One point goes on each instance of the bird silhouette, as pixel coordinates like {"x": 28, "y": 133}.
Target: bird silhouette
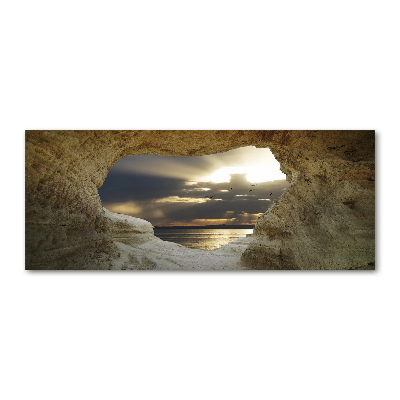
{"x": 270, "y": 194}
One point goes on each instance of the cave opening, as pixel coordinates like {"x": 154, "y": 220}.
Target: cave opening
{"x": 325, "y": 220}
{"x": 200, "y": 202}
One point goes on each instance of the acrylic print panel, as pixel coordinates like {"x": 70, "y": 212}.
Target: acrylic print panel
{"x": 200, "y": 200}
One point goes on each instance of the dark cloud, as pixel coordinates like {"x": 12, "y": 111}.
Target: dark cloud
{"x": 165, "y": 200}
{"x": 173, "y": 167}
{"x": 122, "y": 186}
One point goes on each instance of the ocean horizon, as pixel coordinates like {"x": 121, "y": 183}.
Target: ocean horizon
{"x": 202, "y": 238}
{"x": 222, "y": 226}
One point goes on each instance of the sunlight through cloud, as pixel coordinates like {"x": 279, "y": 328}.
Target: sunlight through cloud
{"x": 254, "y": 174}
{"x": 177, "y": 199}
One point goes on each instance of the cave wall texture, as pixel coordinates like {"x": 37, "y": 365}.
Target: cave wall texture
{"x": 325, "y": 220}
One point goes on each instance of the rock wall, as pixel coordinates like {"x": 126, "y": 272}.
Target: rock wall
{"x": 325, "y": 220}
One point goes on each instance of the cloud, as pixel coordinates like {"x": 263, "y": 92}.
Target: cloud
{"x": 171, "y": 200}
{"x": 254, "y": 173}
{"x": 259, "y": 164}
{"x": 128, "y": 208}
{"x": 186, "y": 168}
{"x": 155, "y": 214}
{"x": 201, "y": 190}
{"x": 177, "y": 199}
{"x": 215, "y": 221}
{"x": 123, "y": 187}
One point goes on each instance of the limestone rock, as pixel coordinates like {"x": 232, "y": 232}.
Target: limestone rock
{"x": 127, "y": 229}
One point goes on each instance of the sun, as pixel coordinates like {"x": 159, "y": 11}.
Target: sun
{"x": 264, "y": 174}
{"x": 259, "y": 165}
{"x": 254, "y": 174}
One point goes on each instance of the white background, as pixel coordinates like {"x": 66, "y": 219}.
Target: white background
{"x": 199, "y": 65}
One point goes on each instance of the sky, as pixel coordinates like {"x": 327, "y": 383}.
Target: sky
{"x": 231, "y": 188}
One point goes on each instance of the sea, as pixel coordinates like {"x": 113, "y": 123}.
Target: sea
{"x": 204, "y": 239}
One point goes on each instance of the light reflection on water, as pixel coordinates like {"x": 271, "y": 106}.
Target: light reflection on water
{"x": 204, "y": 239}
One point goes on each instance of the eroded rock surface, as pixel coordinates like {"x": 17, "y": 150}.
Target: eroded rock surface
{"x": 325, "y": 220}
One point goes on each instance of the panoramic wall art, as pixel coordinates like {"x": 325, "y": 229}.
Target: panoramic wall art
{"x": 199, "y": 200}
